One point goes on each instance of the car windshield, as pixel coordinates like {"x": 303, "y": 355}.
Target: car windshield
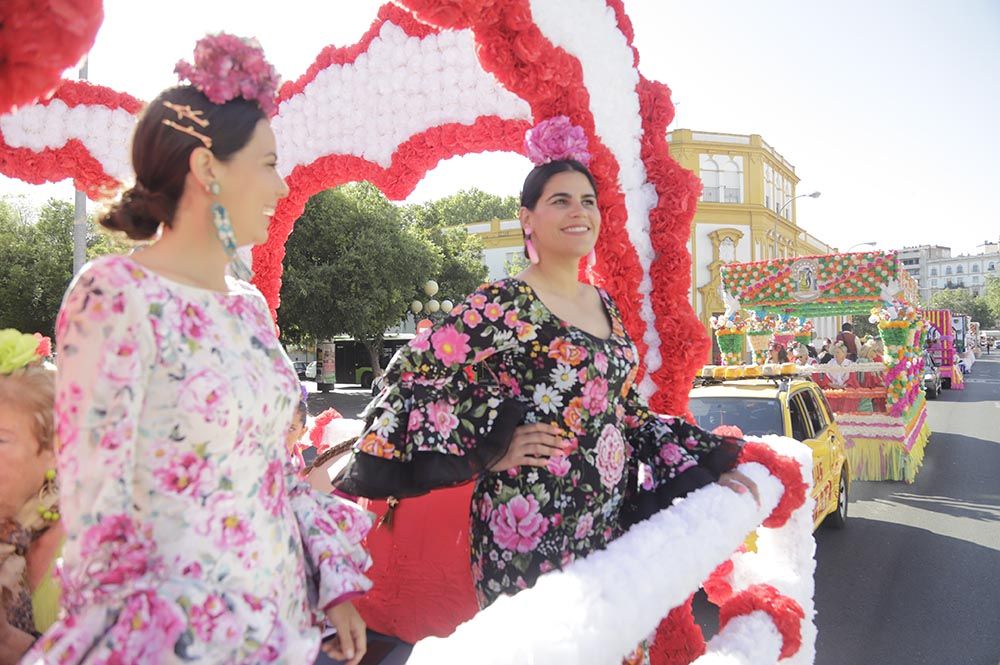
{"x": 754, "y": 416}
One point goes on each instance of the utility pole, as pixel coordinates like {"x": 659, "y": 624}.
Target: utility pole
{"x": 80, "y": 212}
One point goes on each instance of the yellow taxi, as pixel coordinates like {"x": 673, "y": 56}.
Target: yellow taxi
{"x": 789, "y": 406}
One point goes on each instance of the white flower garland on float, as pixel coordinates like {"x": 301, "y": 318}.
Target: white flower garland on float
{"x": 599, "y": 608}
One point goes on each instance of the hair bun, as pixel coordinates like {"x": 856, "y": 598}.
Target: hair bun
{"x": 139, "y": 213}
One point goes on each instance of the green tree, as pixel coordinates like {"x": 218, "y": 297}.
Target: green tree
{"x": 962, "y": 301}
{"x": 992, "y": 298}
{"x": 36, "y": 261}
{"x": 466, "y": 207}
{"x": 462, "y": 268}
{"x": 352, "y": 267}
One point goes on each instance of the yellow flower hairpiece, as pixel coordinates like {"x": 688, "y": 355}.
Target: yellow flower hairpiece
{"x": 19, "y": 349}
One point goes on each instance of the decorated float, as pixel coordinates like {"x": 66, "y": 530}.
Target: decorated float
{"x": 880, "y": 406}
{"x": 941, "y": 345}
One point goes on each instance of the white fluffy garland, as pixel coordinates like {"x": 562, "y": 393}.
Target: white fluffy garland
{"x": 594, "y": 38}
{"x": 601, "y": 607}
{"x": 106, "y": 133}
{"x": 750, "y": 639}
{"x": 785, "y": 560}
{"x": 369, "y": 107}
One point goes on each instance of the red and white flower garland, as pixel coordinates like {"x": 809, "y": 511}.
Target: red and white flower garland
{"x": 565, "y": 617}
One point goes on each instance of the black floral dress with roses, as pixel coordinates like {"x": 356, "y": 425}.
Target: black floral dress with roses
{"x": 453, "y": 398}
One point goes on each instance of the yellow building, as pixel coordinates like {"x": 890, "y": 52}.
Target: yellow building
{"x": 747, "y": 211}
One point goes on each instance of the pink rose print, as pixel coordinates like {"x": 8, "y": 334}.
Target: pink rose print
{"x": 595, "y": 395}
{"x": 120, "y": 364}
{"x": 206, "y": 393}
{"x": 485, "y": 507}
{"x": 671, "y": 454}
{"x": 601, "y": 362}
{"x": 450, "y": 346}
{"x": 147, "y": 627}
{"x": 416, "y": 420}
{"x": 114, "y": 438}
{"x": 193, "y": 321}
{"x": 477, "y": 300}
{"x": 182, "y": 474}
{"x": 510, "y": 318}
{"x": 117, "y": 554}
{"x": 420, "y": 341}
{"x": 690, "y": 443}
{"x": 442, "y": 417}
{"x": 272, "y": 488}
{"x": 584, "y": 526}
{"x": 610, "y": 456}
{"x": 517, "y": 525}
{"x": 558, "y": 465}
{"x": 212, "y": 621}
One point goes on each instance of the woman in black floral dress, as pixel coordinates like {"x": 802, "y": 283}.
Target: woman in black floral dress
{"x": 528, "y": 388}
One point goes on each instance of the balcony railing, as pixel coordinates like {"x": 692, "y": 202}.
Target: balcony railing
{"x": 721, "y": 195}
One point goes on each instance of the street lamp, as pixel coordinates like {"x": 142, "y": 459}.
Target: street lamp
{"x": 861, "y": 244}
{"x": 813, "y": 195}
{"x": 432, "y": 306}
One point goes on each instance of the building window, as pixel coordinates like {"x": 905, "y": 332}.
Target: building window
{"x": 947, "y": 270}
{"x": 934, "y": 283}
{"x": 960, "y": 269}
{"x": 710, "y": 178}
{"x": 933, "y": 272}
{"x": 722, "y": 178}
{"x": 975, "y": 279}
{"x": 993, "y": 266}
{"x": 975, "y": 267}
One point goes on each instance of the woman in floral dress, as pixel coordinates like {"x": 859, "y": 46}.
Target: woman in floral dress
{"x": 190, "y": 538}
{"x": 528, "y": 387}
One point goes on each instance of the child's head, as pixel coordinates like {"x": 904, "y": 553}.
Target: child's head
{"x": 298, "y": 427}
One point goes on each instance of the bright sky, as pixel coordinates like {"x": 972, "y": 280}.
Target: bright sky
{"x": 889, "y": 108}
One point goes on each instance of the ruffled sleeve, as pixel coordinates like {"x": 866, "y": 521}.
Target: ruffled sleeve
{"x": 675, "y": 457}
{"x": 447, "y": 411}
{"x": 121, "y": 604}
{"x": 332, "y": 532}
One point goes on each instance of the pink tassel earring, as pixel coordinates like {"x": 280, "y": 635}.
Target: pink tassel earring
{"x": 530, "y": 248}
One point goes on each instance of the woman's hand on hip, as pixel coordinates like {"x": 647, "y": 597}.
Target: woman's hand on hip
{"x": 532, "y": 445}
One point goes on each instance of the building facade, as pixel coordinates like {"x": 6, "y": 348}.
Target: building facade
{"x": 935, "y": 269}
{"x": 747, "y": 211}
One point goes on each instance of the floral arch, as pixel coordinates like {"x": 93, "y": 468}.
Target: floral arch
{"x": 432, "y": 79}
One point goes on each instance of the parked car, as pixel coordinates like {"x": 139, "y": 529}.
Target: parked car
{"x": 932, "y": 377}
{"x": 788, "y": 406}
{"x": 311, "y": 371}
{"x": 300, "y": 368}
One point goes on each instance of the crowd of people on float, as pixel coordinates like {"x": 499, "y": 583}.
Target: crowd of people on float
{"x": 159, "y": 460}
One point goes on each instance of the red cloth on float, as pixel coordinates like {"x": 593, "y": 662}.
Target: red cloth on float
{"x": 420, "y": 566}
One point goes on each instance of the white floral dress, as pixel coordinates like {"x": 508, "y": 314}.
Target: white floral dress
{"x": 189, "y": 537}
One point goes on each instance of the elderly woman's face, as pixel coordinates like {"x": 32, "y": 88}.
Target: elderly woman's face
{"x": 839, "y": 353}
{"x": 22, "y": 462}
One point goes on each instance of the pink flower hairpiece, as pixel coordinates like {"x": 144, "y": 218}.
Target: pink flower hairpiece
{"x": 226, "y": 67}
{"x": 556, "y": 138}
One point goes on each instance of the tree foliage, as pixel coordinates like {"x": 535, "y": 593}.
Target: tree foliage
{"x": 962, "y": 301}
{"x": 466, "y": 207}
{"x": 36, "y": 261}
{"x": 352, "y": 267}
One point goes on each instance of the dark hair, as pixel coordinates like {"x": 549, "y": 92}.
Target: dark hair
{"x": 535, "y": 183}
{"x": 847, "y": 326}
{"x": 161, "y": 154}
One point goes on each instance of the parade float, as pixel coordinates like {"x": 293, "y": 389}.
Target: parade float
{"x": 880, "y": 407}
{"x": 430, "y": 80}
{"x": 942, "y": 347}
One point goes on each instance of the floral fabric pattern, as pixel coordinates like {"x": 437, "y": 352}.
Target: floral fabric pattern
{"x": 190, "y": 539}
{"x": 443, "y": 393}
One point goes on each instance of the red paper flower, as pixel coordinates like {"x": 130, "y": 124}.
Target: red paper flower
{"x": 39, "y": 39}
{"x": 786, "y": 470}
{"x": 784, "y": 611}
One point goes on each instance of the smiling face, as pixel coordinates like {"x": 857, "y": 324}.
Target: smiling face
{"x": 565, "y": 222}
{"x": 251, "y": 186}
